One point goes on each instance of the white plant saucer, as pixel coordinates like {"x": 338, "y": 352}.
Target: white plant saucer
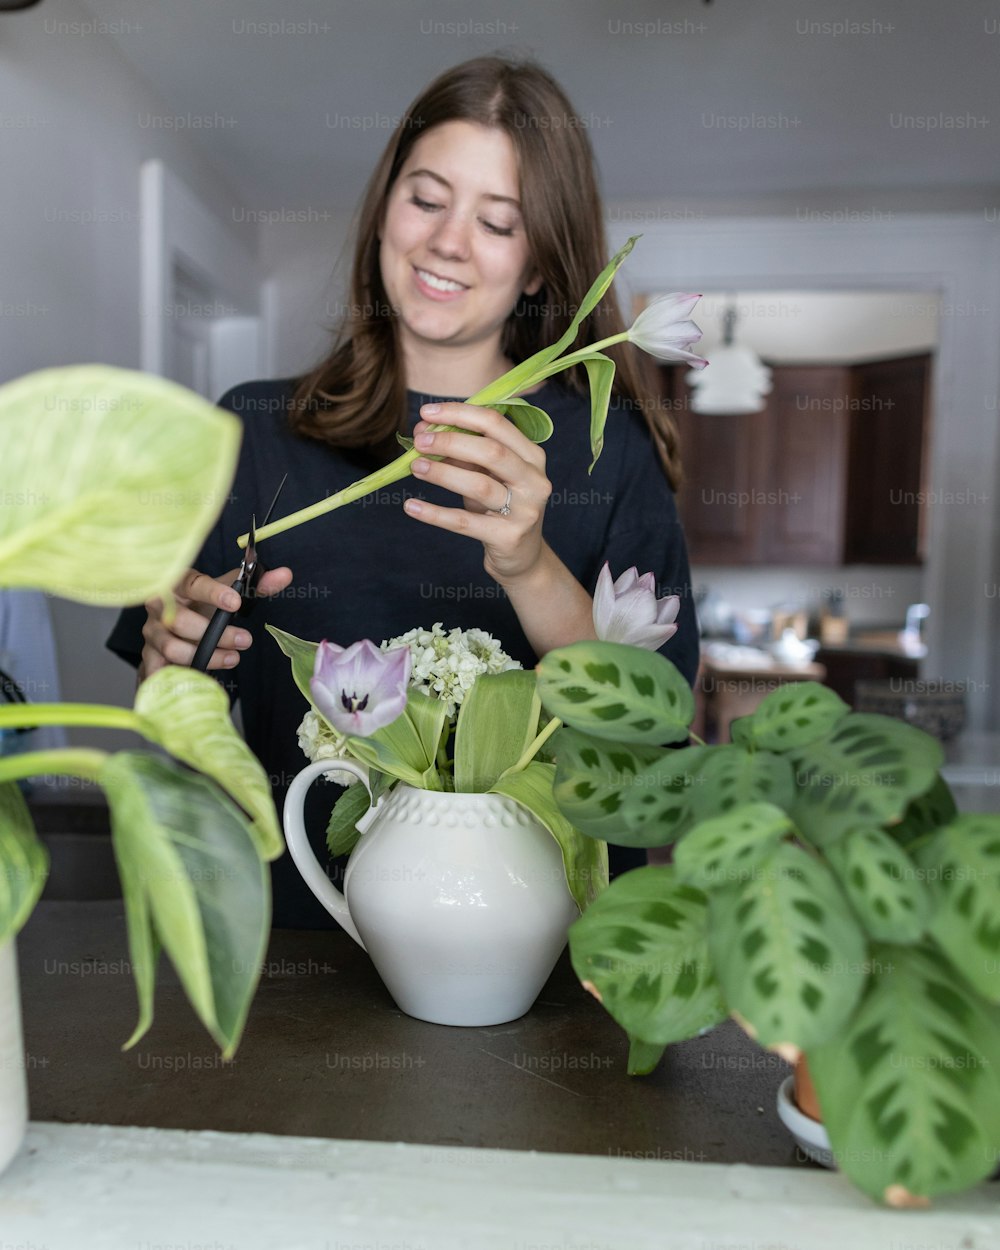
{"x": 810, "y": 1135}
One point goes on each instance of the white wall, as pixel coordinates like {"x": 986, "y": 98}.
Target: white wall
{"x": 75, "y": 125}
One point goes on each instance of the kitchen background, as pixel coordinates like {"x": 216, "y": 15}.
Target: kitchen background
{"x": 180, "y": 181}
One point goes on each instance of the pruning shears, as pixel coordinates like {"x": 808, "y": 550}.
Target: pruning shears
{"x": 251, "y": 570}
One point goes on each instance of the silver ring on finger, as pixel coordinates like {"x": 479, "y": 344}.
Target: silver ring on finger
{"x": 505, "y": 510}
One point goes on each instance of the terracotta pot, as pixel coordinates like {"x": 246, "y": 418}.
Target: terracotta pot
{"x": 805, "y": 1091}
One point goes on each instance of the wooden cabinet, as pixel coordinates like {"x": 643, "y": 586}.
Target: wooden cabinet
{"x": 830, "y": 472}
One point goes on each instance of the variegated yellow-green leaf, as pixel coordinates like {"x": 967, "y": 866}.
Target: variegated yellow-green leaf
{"x": 787, "y": 950}
{"x": 795, "y": 714}
{"x": 729, "y": 848}
{"x": 883, "y": 885}
{"x": 24, "y": 862}
{"x": 193, "y": 876}
{"x": 962, "y": 866}
{"x": 910, "y": 1089}
{"x": 864, "y": 772}
{"x": 187, "y": 713}
{"x": 585, "y": 860}
{"x": 642, "y": 948}
{"x": 618, "y": 692}
{"x": 111, "y": 480}
{"x": 625, "y": 794}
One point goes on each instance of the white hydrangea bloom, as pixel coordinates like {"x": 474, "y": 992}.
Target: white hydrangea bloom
{"x": 321, "y": 741}
{"x": 445, "y": 665}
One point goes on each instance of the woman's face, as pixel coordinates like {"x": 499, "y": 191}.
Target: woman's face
{"x": 454, "y": 254}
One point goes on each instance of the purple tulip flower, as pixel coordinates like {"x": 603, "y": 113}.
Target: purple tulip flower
{"x": 629, "y": 611}
{"x": 359, "y": 689}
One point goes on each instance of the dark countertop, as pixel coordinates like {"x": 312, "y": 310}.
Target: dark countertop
{"x": 327, "y": 1053}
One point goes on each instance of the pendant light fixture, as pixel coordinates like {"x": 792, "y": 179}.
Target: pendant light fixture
{"x": 735, "y": 381}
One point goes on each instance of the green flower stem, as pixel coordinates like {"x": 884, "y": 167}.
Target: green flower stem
{"x": 30, "y": 715}
{"x": 533, "y": 747}
{"x": 503, "y": 388}
{"x": 700, "y": 741}
{"x": 77, "y": 761}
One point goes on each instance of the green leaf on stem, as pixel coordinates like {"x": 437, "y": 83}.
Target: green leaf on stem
{"x": 585, "y": 860}
{"x": 193, "y": 878}
{"x": 643, "y": 1056}
{"x": 618, "y": 692}
{"x": 962, "y": 862}
{"x": 729, "y": 776}
{"x": 642, "y": 949}
{"x": 128, "y": 468}
{"x": 496, "y": 722}
{"x": 24, "y": 862}
{"x": 787, "y": 950}
{"x": 883, "y": 885}
{"x": 187, "y": 713}
{"x": 729, "y": 848}
{"x": 303, "y": 657}
{"x": 863, "y": 772}
{"x": 794, "y": 714}
{"x": 342, "y": 833}
{"x": 601, "y": 376}
{"x": 910, "y": 1088}
{"x": 534, "y": 423}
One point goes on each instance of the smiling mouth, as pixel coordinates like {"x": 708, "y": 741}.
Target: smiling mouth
{"x": 437, "y": 283}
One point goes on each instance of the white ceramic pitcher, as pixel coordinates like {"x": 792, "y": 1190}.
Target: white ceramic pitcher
{"x": 13, "y": 1079}
{"x": 460, "y": 899}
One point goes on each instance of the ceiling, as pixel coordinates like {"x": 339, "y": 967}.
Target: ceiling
{"x": 727, "y": 104}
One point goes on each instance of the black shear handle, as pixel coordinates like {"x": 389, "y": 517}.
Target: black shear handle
{"x": 216, "y": 626}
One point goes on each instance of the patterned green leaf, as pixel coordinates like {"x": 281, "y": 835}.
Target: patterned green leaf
{"x": 910, "y": 1091}
{"x": 926, "y": 813}
{"x": 787, "y": 950}
{"x": 729, "y": 776}
{"x": 863, "y": 773}
{"x": 963, "y": 864}
{"x": 187, "y": 713}
{"x": 187, "y": 856}
{"x": 585, "y": 860}
{"x": 622, "y": 693}
{"x": 628, "y": 795}
{"x": 642, "y": 947}
{"x": 882, "y": 884}
{"x": 128, "y": 468}
{"x": 24, "y": 862}
{"x": 796, "y": 713}
{"x": 729, "y": 848}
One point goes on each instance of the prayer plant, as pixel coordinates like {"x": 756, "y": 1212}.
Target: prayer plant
{"x": 824, "y": 891}
{"x": 111, "y": 479}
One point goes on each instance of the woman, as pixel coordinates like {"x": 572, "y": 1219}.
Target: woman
{"x": 480, "y": 230}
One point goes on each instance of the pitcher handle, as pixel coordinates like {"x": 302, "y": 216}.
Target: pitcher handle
{"x": 298, "y": 840}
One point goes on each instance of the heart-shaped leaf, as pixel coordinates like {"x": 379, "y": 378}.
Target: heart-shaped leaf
{"x": 788, "y": 952}
{"x": 187, "y": 713}
{"x": 24, "y": 862}
{"x": 863, "y": 773}
{"x": 110, "y": 479}
{"x": 883, "y": 885}
{"x": 962, "y": 863}
{"x": 191, "y": 872}
{"x": 642, "y": 948}
{"x": 910, "y": 1089}
{"x": 794, "y": 714}
{"x": 729, "y": 848}
{"x": 616, "y": 691}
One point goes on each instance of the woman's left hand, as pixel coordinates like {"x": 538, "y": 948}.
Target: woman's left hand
{"x": 480, "y": 467}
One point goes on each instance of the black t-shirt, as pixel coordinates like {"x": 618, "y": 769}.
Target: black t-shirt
{"x": 368, "y": 570}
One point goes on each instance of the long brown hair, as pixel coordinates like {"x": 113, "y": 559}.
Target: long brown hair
{"x": 356, "y": 396}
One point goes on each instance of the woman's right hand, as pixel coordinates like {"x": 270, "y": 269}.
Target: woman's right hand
{"x": 198, "y": 596}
